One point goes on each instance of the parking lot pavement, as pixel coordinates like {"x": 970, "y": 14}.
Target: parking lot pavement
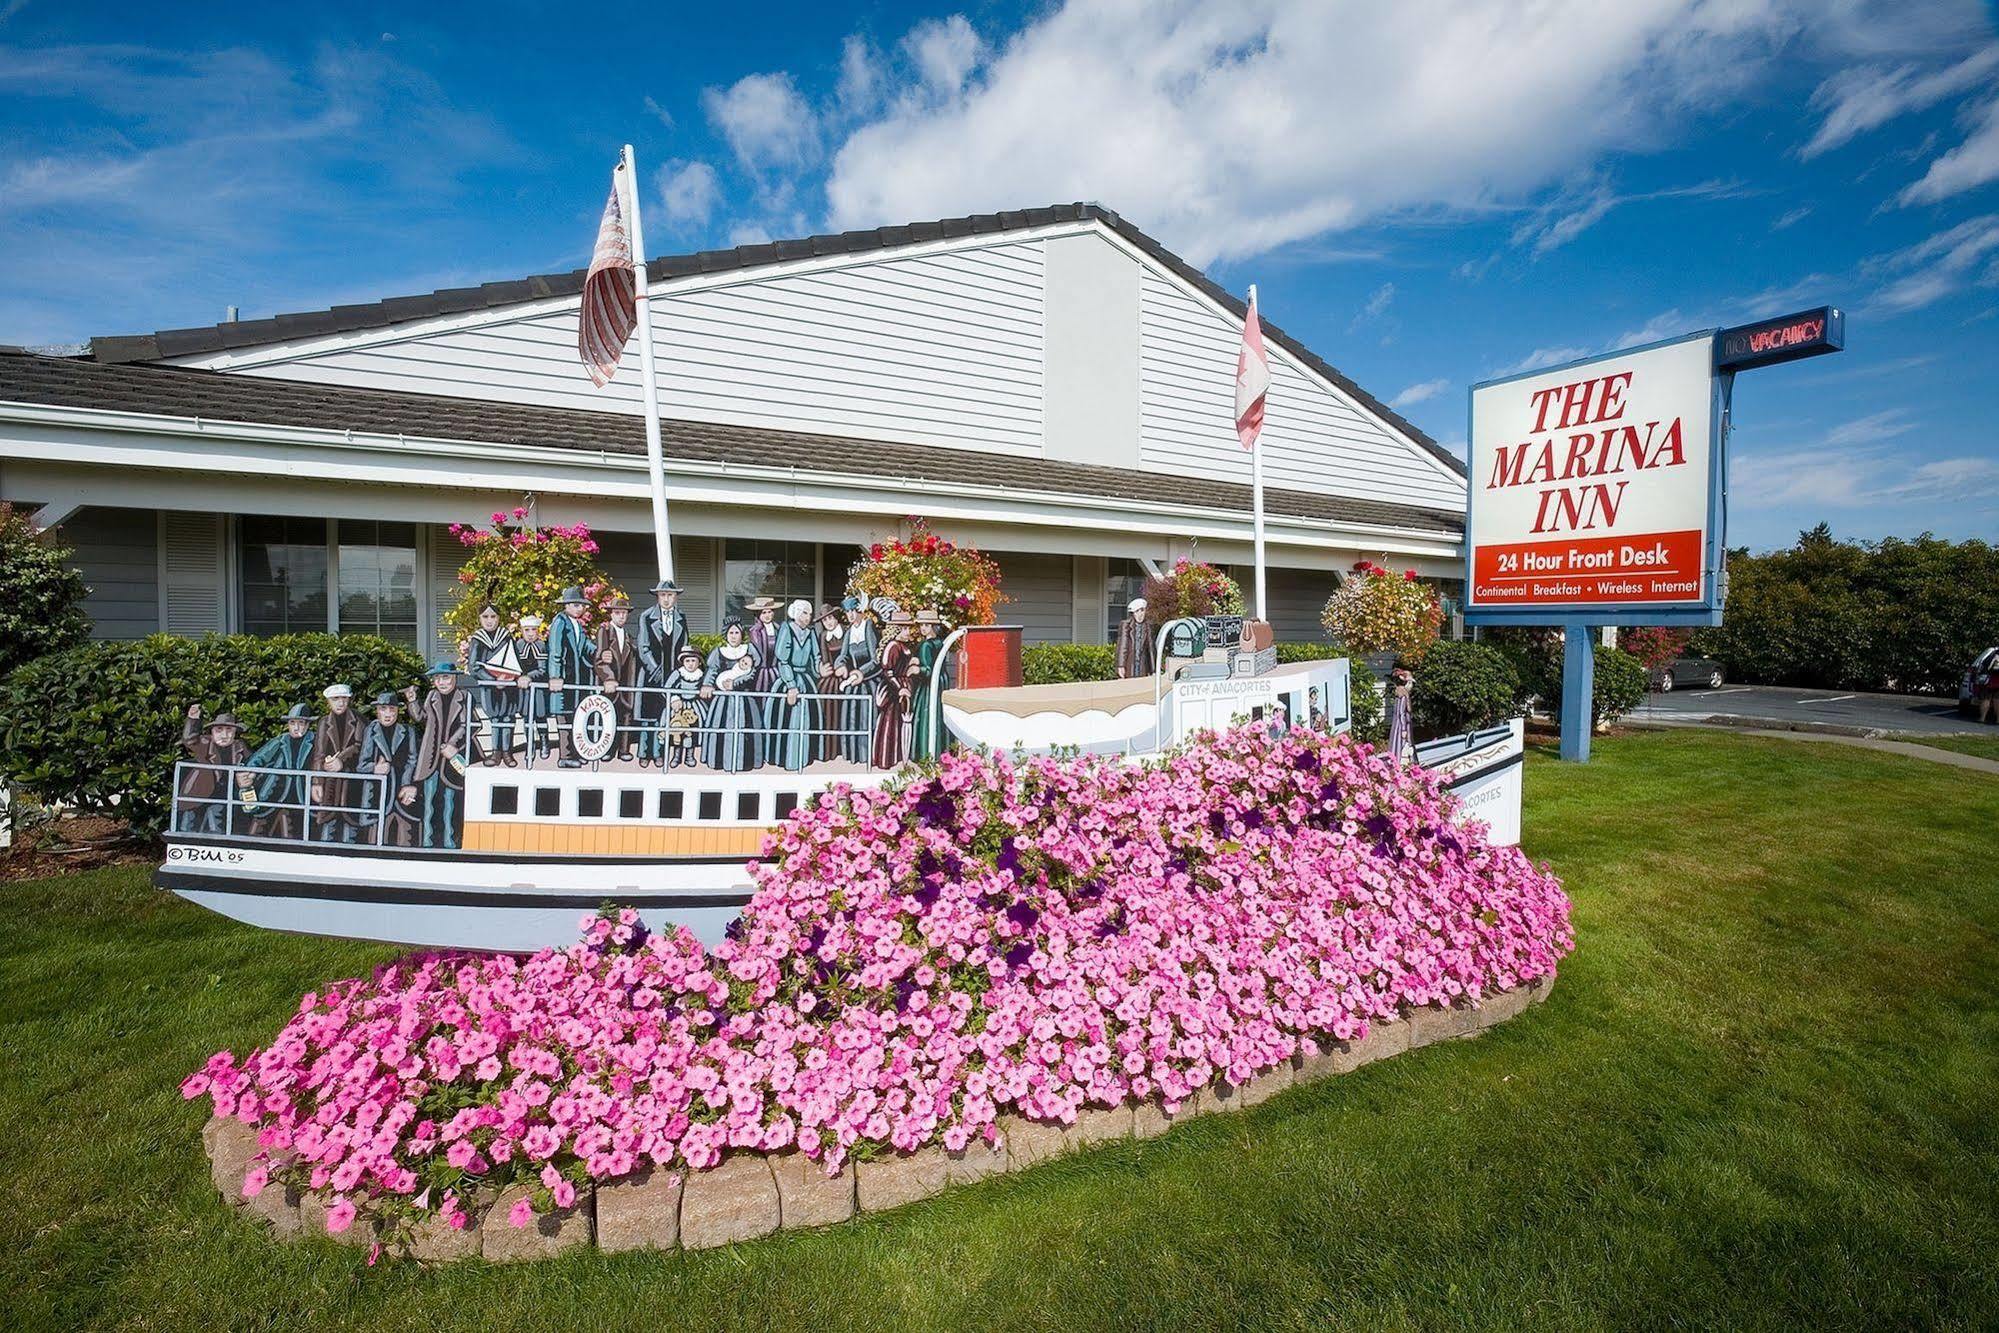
{"x": 1885, "y": 712}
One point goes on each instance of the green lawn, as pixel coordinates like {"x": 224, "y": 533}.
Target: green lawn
{"x": 1764, "y": 1093}
{"x": 1985, "y": 747}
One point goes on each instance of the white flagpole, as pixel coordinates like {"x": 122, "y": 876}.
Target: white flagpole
{"x": 1256, "y": 500}
{"x": 648, "y": 376}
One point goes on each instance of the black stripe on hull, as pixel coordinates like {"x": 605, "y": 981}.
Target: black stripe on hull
{"x": 1511, "y": 761}
{"x": 417, "y": 857}
{"x": 183, "y": 881}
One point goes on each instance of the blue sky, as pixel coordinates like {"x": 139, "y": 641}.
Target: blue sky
{"x": 1428, "y": 194}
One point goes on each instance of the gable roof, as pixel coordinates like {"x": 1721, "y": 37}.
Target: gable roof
{"x": 217, "y": 396}
{"x": 461, "y": 300}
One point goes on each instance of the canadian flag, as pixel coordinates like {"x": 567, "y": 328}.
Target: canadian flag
{"x": 1252, "y": 378}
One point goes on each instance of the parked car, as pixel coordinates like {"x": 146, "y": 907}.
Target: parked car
{"x": 1981, "y": 677}
{"x": 1682, "y": 672}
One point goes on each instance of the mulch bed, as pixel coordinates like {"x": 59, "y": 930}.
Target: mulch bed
{"x": 81, "y": 842}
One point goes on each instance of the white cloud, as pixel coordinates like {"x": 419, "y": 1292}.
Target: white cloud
{"x": 748, "y": 233}
{"x": 1230, "y": 130}
{"x": 688, "y": 193}
{"x": 945, "y": 52}
{"x": 1937, "y": 267}
{"x": 1573, "y": 212}
{"x": 1970, "y": 164}
{"x": 1832, "y": 476}
{"x": 860, "y": 77}
{"x": 765, "y": 120}
{"x": 1419, "y": 393}
{"x": 1871, "y": 429}
{"x": 1857, "y": 100}
{"x": 1792, "y": 218}
{"x": 658, "y": 112}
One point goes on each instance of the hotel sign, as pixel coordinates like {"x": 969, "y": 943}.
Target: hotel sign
{"x": 1594, "y": 487}
{"x": 1773, "y": 341}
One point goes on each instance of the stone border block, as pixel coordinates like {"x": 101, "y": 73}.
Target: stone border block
{"x": 1031, "y": 1141}
{"x": 807, "y": 1196}
{"x": 231, "y": 1147}
{"x": 641, "y": 1212}
{"x": 734, "y": 1201}
{"x": 977, "y": 1160}
{"x": 1538, "y": 989}
{"x": 890, "y": 1182}
{"x": 1226, "y": 1096}
{"x": 1150, "y": 1118}
{"x": 1431, "y": 1024}
{"x": 1498, "y": 1006}
{"x": 549, "y": 1233}
{"x": 434, "y": 1241}
{"x": 278, "y": 1205}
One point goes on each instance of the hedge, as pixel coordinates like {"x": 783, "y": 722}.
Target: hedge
{"x": 41, "y": 593}
{"x": 1461, "y": 687}
{"x": 101, "y": 723}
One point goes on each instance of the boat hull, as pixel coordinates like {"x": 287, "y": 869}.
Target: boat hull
{"x": 497, "y": 902}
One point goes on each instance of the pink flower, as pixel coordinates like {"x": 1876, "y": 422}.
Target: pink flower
{"x": 254, "y": 1181}
{"x": 521, "y": 1213}
{"x": 339, "y": 1216}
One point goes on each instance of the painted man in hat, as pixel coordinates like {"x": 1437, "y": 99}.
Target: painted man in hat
{"x": 281, "y": 793}
{"x": 206, "y": 791}
{"x": 618, "y": 667}
{"x": 832, "y": 635}
{"x": 1135, "y": 647}
{"x": 662, "y": 637}
{"x": 492, "y": 655}
{"x": 439, "y": 780}
{"x": 389, "y": 750}
{"x": 572, "y": 660}
{"x": 336, "y": 747}
{"x": 892, "y": 691}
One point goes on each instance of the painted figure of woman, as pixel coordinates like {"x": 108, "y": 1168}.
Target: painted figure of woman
{"x": 831, "y": 633}
{"x": 1400, "y": 683}
{"x": 855, "y": 670}
{"x": 733, "y": 743}
{"x": 763, "y": 628}
{"x": 794, "y": 718}
{"x": 891, "y": 692}
{"x": 929, "y": 726}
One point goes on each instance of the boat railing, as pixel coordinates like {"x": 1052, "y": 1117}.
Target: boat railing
{"x": 698, "y": 727}
{"x": 335, "y": 808}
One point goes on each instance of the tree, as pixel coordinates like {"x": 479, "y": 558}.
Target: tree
{"x": 41, "y": 594}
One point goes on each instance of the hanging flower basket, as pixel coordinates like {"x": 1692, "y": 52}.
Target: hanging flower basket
{"x": 1380, "y": 616}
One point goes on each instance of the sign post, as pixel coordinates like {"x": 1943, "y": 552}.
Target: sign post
{"x": 1598, "y": 490}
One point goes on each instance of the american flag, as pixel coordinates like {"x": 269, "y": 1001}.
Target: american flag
{"x": 610, "y": 304}
{"x": 1252, "y": 378}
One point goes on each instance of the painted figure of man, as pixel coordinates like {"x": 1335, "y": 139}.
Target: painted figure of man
{"x": 794, "y": 718}
{"x": 662, "y": 637}
{"x": 281, "y": 791}
{"x": 207, "y": 791}
{"x": 336, "y": 747}
{"x": 1135, "y": 647}
{"x": 389, "y": 750}
{"x": 854, "y": 672}
{"x": 572, "y": 660}
{"x": 439, "y": 779}
{"x": 493, "y": 657}
{"x": 618, "y": 669}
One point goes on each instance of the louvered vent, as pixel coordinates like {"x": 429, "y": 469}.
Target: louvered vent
{"x": 192, "y": 583}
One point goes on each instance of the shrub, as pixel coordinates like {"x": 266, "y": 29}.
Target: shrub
{"x": 1036, "y": 937}
{"x": 523, "y": 569}
{"x": 41, "y": 596}
{"x": 1655, "y": 645}
{"x": 925, "y": 570}
{"x": 1617, "y": 687}
{"x": 1378, "y": 611}
{"x": 101, "y": 723}
{"x": 1194, "y": 588}
{"x": 1061, "y": 663}
{"x": 1462, "y": 687}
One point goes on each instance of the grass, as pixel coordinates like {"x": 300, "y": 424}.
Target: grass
{"x": 1761, "y": 1095}
{"x": 1985, "y": 747}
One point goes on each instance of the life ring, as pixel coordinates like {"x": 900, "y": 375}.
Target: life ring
{"x": 593, "y": 728}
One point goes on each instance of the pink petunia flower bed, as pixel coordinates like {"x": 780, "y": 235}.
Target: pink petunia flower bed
{"x": 1033, "y": 936}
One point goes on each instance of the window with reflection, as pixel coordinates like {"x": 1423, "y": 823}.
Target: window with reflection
{"x": 283, "y": 567}
{"x": 1125, "y": 579}
{"x": 377, "y": 578}
{"x": 752, "y": 569}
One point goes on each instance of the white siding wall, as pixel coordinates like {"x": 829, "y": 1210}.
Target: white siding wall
{"x": 941, "y": 349}
{"x": 118, "y": 552}
{"x": 1314, "y": 440}
{"x": 1044, "y": 595}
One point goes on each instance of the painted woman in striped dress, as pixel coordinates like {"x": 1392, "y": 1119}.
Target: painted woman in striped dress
{"x": 733, "y": 743}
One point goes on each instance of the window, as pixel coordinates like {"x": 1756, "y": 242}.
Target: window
{"x": 670, "y": 804}
{"x": 377, "y": 577}
{"x": 284, "y": 567}
{"x": 709, "y": 806}
{"x": 590, "y": 804}
{"x": 787, "y": 801}
{"x": 752, "y": 569}
{"x": 506, "y": 800}
{"x": 746, "y": 804}
{"x": 631, "y": 805}
{"x": 547, "y": 801}
{"x": 1126, "y": 580}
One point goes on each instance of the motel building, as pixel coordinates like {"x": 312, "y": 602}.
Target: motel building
{"x": 1052, "y": 386}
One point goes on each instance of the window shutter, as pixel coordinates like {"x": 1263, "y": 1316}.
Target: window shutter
{"x": 192, "y": 574}
{"x": 694, "y": 569}
{"x": 447, "y": 557}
